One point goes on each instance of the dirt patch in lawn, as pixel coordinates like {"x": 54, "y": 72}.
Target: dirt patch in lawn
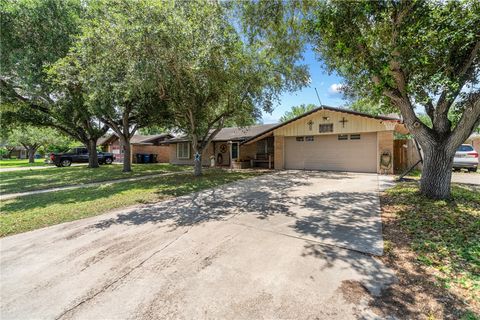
{"x": 353, "y": 291}
{"x": 431, "y": 247}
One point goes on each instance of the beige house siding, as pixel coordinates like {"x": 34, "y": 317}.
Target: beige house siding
{"x": 279, "y": 154}
{"x": 219, "y": 147}
{"x": 354, "y": 124}
{"x": 385, "y": 144}
{"x": 475, "y": 142}
{"x": 309, "y": 126}
{"x": 248, "y": 151}
{"x": 205, "y": 155}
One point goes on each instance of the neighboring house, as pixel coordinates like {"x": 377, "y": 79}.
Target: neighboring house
{"x": 407, "y": 154}
{"x": 325, "y": 138}
{"x": 474, "y": 140}
{"x": 17, "y": 152}
{"x": 141, "y": 144}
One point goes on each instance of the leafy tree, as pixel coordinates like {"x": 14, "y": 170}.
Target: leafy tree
{"x": 214, "y": 76}
{"x": 32, "y": 138}
{"x": 406, "y": 54}
{"x": 117, "y": 60}
{"x": 153, "y": 129}
{"x": 297, "y": 111}
{"x": 369, "y": 106}
{"x": 61, "y": 144}
{"x": 36, "y": 34}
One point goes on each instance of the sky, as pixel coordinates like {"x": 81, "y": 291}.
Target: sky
{"x": 327, "y": 85}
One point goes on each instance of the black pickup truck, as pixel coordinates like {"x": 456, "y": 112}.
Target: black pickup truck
{"x": 79, "y": 155}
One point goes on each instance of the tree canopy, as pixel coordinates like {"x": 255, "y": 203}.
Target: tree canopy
{"x": 32, "y": 138}
{"x": 35, "y": 35}
{"x": 297, "y": 111}
{"x": 116, "y": 61}
{"x": 213, "y": 75}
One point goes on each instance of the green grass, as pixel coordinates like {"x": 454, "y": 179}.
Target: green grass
{"x": 37, "y": 211}
{"x": 14, "y": 163}
{"x": 29, "y": 180}
{"x": 445, "y": 235}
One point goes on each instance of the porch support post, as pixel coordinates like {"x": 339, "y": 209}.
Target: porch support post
{"x": 230, "y": 143}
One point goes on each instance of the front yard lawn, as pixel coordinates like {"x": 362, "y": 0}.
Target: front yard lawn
{"x": 434, "y": 247}
{"x": 29, "y": 180}
{"x": 12, "y": 163}
{"x": 41, "y": 210}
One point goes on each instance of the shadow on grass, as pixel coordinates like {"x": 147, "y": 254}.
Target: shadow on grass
{"x": 433, "y": 248}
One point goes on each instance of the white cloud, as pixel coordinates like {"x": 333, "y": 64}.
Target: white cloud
{"x": 335, "y": 88}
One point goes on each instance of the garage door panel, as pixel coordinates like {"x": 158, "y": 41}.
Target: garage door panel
{"x": 293, "y": 152}
{"x": 329, "y": 153}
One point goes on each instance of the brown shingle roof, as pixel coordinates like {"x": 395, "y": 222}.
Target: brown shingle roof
{"x": 233, "y": 133}
{"x": 137, "y": 138}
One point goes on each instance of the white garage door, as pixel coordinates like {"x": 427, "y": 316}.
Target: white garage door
{"x": 352, "y": 152}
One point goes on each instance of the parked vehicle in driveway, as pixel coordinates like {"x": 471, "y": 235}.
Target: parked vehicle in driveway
{"x": 79, "y": 155}
{"x": 465, "y": 157}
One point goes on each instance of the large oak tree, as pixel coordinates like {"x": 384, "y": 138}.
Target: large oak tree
{"x": 414, "y": 56}
{"x": 35, "y": 35}
{"x": 214, "y": 76}
{"x": 116, "y": 60}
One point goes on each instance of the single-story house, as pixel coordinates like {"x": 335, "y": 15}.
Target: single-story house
{"x": 226, "y": 145}
{"x": 18, "y": 152}
{"x": 140, "y": 144}
{"x": 325, "y": 138}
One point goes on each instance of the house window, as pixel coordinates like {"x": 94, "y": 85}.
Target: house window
{"x": 343, "y": 137}
{"x": 299, "y": 139}
{"x": 354, "y": 137}
{"x": 183, "y": 150}
{"x": 327, "y": 127}
{"x": 309, "y": 138}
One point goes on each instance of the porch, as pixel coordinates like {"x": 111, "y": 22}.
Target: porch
{"x": 259, "y": 154}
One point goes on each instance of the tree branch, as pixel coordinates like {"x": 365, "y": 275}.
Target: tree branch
{"x": 469, "y": 121}
{"x": 446, "y": 100}
{"x": 6, "y": 87}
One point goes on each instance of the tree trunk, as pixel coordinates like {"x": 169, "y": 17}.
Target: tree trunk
{"x": 127, "y": 151}
{"x": 437, "y": 172}
{"x": 197, "y": 166}
{"x": 92, "y": 153}
{"x": 9, "y": 153}
{"x": 31, "y": 155}
{"x": 197, "y": 157}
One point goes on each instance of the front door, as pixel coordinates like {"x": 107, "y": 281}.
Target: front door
{"x": 235, "y": 149}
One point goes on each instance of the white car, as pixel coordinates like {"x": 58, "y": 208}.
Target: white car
{"x": 465, "y": 157}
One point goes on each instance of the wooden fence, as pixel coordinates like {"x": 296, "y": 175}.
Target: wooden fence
{"x": 405, "y": 155}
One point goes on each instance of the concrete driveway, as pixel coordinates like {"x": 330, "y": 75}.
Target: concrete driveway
{"x": 286, "y": 245}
